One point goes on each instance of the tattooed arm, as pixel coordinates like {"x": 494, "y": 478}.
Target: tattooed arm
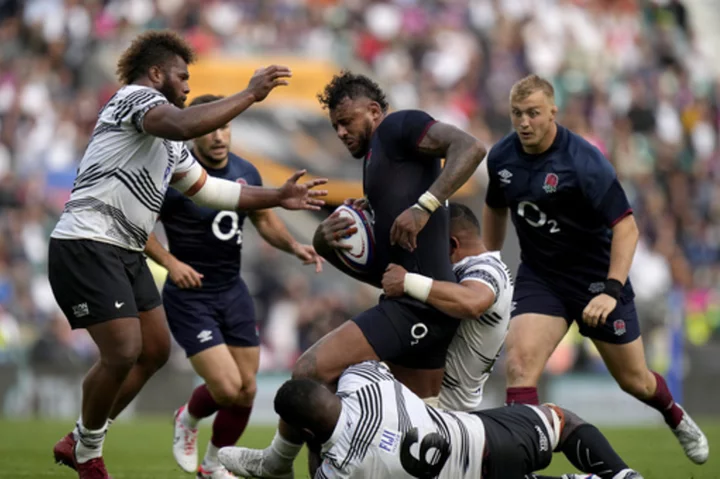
{"x": 463, "y": 153}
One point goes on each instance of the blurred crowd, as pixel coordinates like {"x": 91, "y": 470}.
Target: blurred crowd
{"x": 628, "y": 76}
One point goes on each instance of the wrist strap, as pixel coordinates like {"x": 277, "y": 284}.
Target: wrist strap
{"x": 417, "y": 286}
{"x": 429, "y": 202}
{"x": 613, "y": 288}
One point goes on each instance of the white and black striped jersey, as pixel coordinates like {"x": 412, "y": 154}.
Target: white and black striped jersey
{"x": 477, "y": 342}
{"x": 384, "y": 430}
{"x": 123, "y": 176}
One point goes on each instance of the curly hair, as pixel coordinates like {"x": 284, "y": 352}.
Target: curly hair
{"x": 349, "y": 85}
{"x": 152, "y": 48}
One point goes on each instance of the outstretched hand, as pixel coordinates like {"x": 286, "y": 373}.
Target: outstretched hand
{"x": 264, "y": 80}
{"x": 294, "y": 196}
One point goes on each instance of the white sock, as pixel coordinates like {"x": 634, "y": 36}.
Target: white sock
{"x": 211, "y": 456}
{"x": 90, "y": 443}
{"x": 281, "y": 454}
{"x": 187, "y": 419}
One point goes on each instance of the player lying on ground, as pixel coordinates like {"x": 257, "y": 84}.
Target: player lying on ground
{"x": 96, "y": 265}
{"x": 209, "y": 308}
{"x": 577, "y": 239}
{"x": 406, "y": 144}
{"x": 482, "y": 298}
{"x": 374, "y": 427}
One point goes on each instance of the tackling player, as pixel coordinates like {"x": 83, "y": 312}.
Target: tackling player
{"x": 411, "y": 229}
{"x": 209, "y": 308}
{"x": 482, "y": 298}
{"x": 96, "y": 266}
{"x": 374, "y": 427}
{"x": 577, "y": 238}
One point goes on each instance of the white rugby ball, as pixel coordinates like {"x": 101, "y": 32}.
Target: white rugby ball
{"x": 362, "y": 254}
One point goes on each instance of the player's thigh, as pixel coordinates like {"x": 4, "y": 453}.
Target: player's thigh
{"x": 235, "y": 312}
{"x": 621, "y": 327}
{"x": 530, "y": 342}
{"x": 191, "y": 318}
{"x": 627, "y": 364}
{"x": 89, "y": 282}
{"x": 219, "y": 369}
{"x": 247, "y": 360}
{"x": 519, "y": 441}
{"x": 155, "y": 337}
{"x": 425, "y": 383}
{"x": 333, "y": 353}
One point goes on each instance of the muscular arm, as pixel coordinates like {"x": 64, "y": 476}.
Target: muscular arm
{"x": 172, "y": 123}
{"x": 462, "y": 152}
{"x": 273, "y": 230}
{"x": 158, "y": 253}
{"x": 494, "y": 227}
{"x": 624, "y": 241}
{"x": 467, "y": 300}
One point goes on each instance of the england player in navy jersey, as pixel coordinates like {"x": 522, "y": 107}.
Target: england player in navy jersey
{"x": 406, "y": 187}
{"x": 577, "y": 238}
{"x": 209, "y": 309}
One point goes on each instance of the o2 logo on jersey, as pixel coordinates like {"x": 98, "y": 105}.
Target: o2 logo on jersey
{"x": 536, "y": 217}
{"x": 234, "y": 230}
{"x": 419, "y": 466}
{"x": 418, "y": 332}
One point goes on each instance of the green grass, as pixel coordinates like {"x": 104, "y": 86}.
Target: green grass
{"x": 141, "y": 449}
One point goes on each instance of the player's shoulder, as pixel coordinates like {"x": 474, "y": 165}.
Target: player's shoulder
{"x": 486, "y": 258}
{"x": 394, "y": 122}
{"x": 583, "y": 153}
{"x": 503, "y": 149}
{"x": 242, "y": 168}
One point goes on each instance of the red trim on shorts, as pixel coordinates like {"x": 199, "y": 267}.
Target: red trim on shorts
{"x": 621, "y": 217}
{"x": 427, "y": 128}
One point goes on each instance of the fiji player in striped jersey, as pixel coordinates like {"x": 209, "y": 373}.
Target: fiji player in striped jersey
{"x": 482, "y": 298}
{"x": 96, "y": 265}
{"x": 376, "y": 428}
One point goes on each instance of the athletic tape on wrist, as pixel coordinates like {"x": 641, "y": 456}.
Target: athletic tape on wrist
{"x": 613, "y": 288}
{"x": 429, "y": 202}
{"x": 417, "y": 286}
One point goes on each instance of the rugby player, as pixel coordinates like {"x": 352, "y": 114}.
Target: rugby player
{"x": 411, "y": 229}
{"x": 97, "y": 269}
{"x": 208, "y": 305}
{"x": 374, "y": 427}
{"x": 482, "y": 298}
{"x": 577, "y": 238}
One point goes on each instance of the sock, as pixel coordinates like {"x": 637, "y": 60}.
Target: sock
{"x": 211, "y": 456}
{"x": 663, "y": 401}
{"x": 228, "y": 426}
{"x": 588, "y": 450}
{"x": 521, "y": 396}
{"x": 281, "y": 454}
{"x": 200, "y": 405}
{"x": 187, "y": 419}
{"x": 90, "y": 443}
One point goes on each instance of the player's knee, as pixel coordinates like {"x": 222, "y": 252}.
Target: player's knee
{"x": 226, "y": 392}
{"x": 247, "y": 394}
{"x": 517, "y": 368}
{"x": 637, "y": 383}
{"x": 122, "y": 356}
{"x": 154, "y": 357}
{"x": 571, "y": 422}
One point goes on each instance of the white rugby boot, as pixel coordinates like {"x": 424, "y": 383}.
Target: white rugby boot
{"x": 216, "y": 472}
{"x": 692, "y": 439}
{"x": 246, "y": 462}
{"x": 185, "y": 444}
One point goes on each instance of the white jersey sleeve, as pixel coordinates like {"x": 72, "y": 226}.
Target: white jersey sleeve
{"x": 384, "y": 428}
{"x": 477, "y": 343}
{"x": 123, "y": 175}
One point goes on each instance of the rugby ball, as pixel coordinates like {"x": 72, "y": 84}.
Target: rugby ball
{"x": 362, "y": 254}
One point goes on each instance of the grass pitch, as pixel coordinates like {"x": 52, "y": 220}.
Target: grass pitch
{"x": 141, "y": 449}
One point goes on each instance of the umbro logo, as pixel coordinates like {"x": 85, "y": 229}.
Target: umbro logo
{"x": 205, "y": 335}
{"x": 505, "y": 176}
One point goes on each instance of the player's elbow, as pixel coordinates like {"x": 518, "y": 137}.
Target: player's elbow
{"x": 471, "y": 308}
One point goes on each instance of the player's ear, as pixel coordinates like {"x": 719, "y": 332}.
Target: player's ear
{"x": 375, "y": 110}
{"x": 553, "y": 110}
{"x": 156, "y": 74}
{"x": 454, "y": 244}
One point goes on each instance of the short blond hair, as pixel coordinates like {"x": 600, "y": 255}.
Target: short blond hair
{"x": 529, "y": 85}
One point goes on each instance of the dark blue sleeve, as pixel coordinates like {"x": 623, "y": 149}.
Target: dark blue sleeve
{"x": 601, "y": 187}
{"x": 255, "y": 178}
{"x": 415, "y": 125}
{"x": 166, "y": 210}
{"x": 494, "y": 197}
